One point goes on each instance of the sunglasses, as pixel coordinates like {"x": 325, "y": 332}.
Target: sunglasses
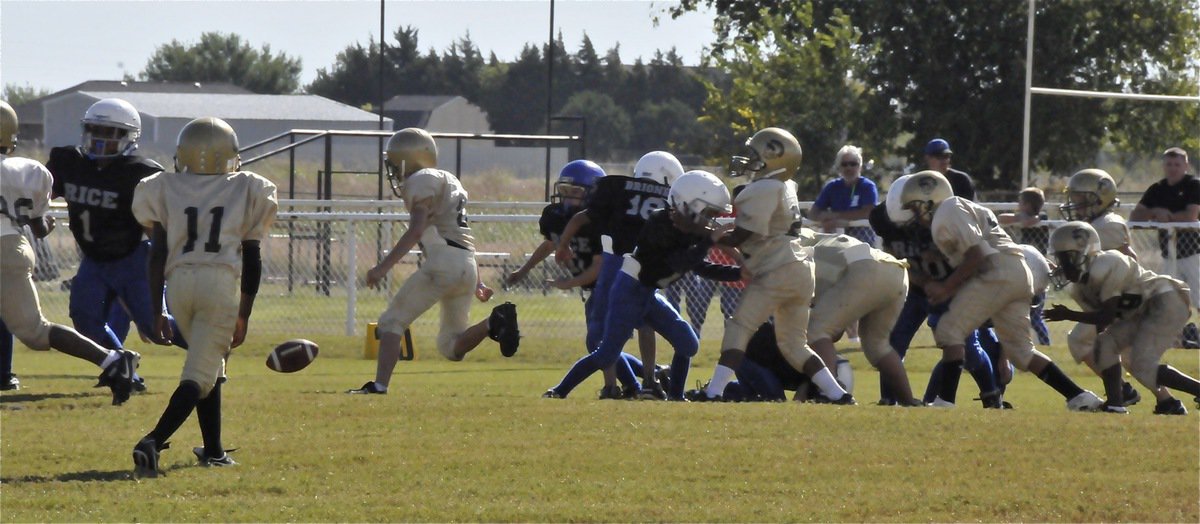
{"x": 849, "y": 164}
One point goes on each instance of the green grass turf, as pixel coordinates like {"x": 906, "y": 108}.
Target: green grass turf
{"x": 472, "y": 441}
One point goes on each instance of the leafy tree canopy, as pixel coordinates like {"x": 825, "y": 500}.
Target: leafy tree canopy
{"x": 220, "y": 57}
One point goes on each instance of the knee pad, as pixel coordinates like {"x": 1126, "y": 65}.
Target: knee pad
{"x": 445, "y": 345}
{"x": 1079, "y": 342}
{"x": 1108, "y": 355}
{"x": 1022, "y": 360}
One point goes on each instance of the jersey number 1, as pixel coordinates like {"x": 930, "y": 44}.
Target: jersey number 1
{"x": 214, "y": 231}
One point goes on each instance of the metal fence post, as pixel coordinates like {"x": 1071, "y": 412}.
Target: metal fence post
{"x": 351, "y": 276}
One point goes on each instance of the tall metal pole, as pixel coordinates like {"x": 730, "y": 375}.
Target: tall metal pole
{"x": 1028, "y": 97}
{"x": 381, "y": 62}
{"x": 549, "y": 92}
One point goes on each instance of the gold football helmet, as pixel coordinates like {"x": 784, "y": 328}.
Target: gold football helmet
{"x": 8, "y": 128}
{"x": 207, "y": 146}
{"x": 772, "y": 152}
{"x": 922, "y": 193}
{"x": 1073, "y": 246}
{"x": 408, "y": 151}
{"x": 1090, "y": 193}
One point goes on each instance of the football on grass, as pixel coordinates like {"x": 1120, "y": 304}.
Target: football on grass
{"x": 292, "y": 356}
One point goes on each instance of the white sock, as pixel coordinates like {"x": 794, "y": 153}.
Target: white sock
{"x": 829, "y": 385}
{"x": 380, "y": 387}
{"x": 722, "y": 376}
{"x": 112, "y": 357}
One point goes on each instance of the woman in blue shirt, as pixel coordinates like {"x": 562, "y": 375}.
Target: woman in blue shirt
{"x": 850, "y": 197}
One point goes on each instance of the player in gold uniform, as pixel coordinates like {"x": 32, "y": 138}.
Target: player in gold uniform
{"x": 207, "y": 220}
{"x": 437, "y": 204}
{"x": 1137, "y": 312}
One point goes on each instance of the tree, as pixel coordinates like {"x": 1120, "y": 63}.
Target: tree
{"x": 218, "y": 57}
{"x": 669, "y": 126}
{"x": 16, "y": 95}
{"x": 607, "y": 123}
{"x": 963, "y": 76}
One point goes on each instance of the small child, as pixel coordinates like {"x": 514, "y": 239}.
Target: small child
{"x": 1028, "y": 218}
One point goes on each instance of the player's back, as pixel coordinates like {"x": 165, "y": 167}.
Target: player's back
{"x": 448, "y": 228}
{"x": 1112, "y": 230}
{"x": 24, "y": 192}
{"x": 1115, "y": 274}
{"x": 770, "y": 210}
{"x": 207, "y": 217}
{"x": 832, "y": 254}
{"x": 958, "y": 220}
{"x": 620, "y": 205}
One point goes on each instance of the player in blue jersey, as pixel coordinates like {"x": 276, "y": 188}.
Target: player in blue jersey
{"x": 97, "y": 180}
{"x": 671, "y": 243}
{"x": 617, "y": 209}
{"x": 576, "y": 181}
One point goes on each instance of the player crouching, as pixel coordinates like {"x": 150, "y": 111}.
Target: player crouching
{"x": 436, "y": 204}
{"x": 1138, "y": 313}
{"x": 207, "y": 221}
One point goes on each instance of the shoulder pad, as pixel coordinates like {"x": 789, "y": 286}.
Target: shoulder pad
{"x": 143, "y": 166}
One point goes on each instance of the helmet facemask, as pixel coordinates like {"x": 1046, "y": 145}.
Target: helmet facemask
{"x": 569, "y": 195}
{"x": 748, "y": 164}
{"x": 698, "y": 212}
{"x": 395, "y": 175}
{"x": 102, "y": 141}
{"x": 1081, "y": 205}
{"x": 1072, "y": 265}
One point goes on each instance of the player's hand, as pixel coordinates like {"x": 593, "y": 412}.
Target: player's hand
{"x": 375, "y": 276}
{"x": 563, "y": 254}
{"x": 1056, "y": 313}
{"x": 483, "y": 293}
{"x": 239, "y": 332}
{"x": 514, "y": 277}
{"x": 938, "y": 292}
{"x": 50, "y": 224}
{"x": 162, "y": 331}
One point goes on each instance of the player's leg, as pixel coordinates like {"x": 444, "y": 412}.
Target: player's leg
{"x": 971, "y": 306}
{"x": 419, "y": 293}
{"x": 791, "y": 330}
{"x": 982, "y": 355}
{"x": 756, "y": 306}
{"x": 874, "y": 327}
{"x": 682, "y": 337}
{"x": 88, "y": 303}
{"x": 205, "y": 303}
{"x": 1163, "y": 318}
{"x": 8, "y": 380}
{"x": 1037, "y": 322}
{"x": 760, "y": 381}
{"x": 912, "y": 315}
{"x": 1012, "y": 327}
{"x": 133, "y": 288}
{"x": 619, "y": 325}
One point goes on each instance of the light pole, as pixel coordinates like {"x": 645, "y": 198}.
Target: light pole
{"x": 549, "y": 92}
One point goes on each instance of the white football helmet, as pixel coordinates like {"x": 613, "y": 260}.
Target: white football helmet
{"x": 895, "y": 210}
{"x": 8, "y": 128}
{"x": 111, "y": 128}
{"x": 923, "y": 193}
{"x": 659, "y": 166}
{"x": 700, "y": 196}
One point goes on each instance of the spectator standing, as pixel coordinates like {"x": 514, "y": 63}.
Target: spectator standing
{"x": 937, "y": 157}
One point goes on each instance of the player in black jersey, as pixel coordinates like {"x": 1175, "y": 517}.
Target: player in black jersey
{"x": 576, "y": 181}
{"x": 97, "y": 180}
{"x": 616, "y": 209}
{"x": 916, "y": 245}
{"x": 672, "y": 242}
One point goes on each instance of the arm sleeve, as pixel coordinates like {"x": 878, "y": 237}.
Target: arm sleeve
{"x": 719, "y": 272}
{"x": 52, "y": 164}
{"x": 251, "y": 266}
{"x": 261, "y": 212}
{"x": 545, "y": 223}
{"x": 147, "y": 203}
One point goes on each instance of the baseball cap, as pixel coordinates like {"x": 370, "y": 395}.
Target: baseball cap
{"x": 937, "y": 147}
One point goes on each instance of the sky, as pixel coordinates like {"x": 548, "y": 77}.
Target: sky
{"x": 57, "y": 44}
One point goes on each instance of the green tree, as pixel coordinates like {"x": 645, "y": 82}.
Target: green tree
{"x": 607, "y": 124}
{"x": 956, "y": 69}
{"x": 669, "y": 126}
{"x": 16, "y": 94}
{"x": 220, "y": 57}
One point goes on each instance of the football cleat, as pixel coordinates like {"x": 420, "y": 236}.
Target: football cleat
{"x": 1171, "y": 406}
{"x": 1086, "y": 401}
{"x": 550, "y": 393}
{"x": 10, "y": 383}
{"x": 889, "y": 402}
{"x": 992, "y": 400}
{"x": 370, "y": 388}
{"x": 502, "y": 327}
{"x": 118, "y": 376}
{"x": 845, "y": 400}
{"x": 145, "y": 457}
{"x": 612, "y": 392}
{"x": 1130, "y": 395}
{"x": 700, "y": 395}
{"x": 662, "y": 375}
{"x": 939, "y": 403}
{"x": 221, "y": 461}
{"x": 1119, "y": 410}
{"x": 652, "y": 391}
{"x": 139, "y": 384}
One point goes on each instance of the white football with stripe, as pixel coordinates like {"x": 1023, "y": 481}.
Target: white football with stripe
{"x": 292, "y": 356}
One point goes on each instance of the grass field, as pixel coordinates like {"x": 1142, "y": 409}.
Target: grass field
{"x": 472, "y": 441}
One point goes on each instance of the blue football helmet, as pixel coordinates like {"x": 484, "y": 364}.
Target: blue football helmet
{"x": 575, "y": 183}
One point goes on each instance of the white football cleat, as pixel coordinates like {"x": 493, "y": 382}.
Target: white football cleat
{"x": 939, "y": 403}
{"x": 1086, "y": 401}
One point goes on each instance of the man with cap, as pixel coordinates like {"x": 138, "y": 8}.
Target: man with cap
{"x": 937, "y": 157}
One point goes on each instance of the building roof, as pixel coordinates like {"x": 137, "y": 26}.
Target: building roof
{"x": 417, "y": 102}
{"x": 31, "y": 111}
{"x": 240, "y": 106}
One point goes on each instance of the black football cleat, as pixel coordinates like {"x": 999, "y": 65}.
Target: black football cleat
{"x": 663, "y": 375}
{"x": 845, "y": 400}
{"x": 145, "y": 458}
{"x": 10, "y": 383}
{"x": 207, "y": 461}
{"x": 550, "y": 393}
{"x": 1171, "y": 406}
{"x": 370, "y": 388}
{"x": 118, "y": 376}
{"x": 502, "y": 327}
{"x": 1130, "y": 395}
{"x": 652, "y": 391}
{"x": 1116, "y": 410}
{"x": 700, "y": 395}
{"x": 611, "y": 393}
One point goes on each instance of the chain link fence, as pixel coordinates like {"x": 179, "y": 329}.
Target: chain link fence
{"x": 318, "y": 252}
